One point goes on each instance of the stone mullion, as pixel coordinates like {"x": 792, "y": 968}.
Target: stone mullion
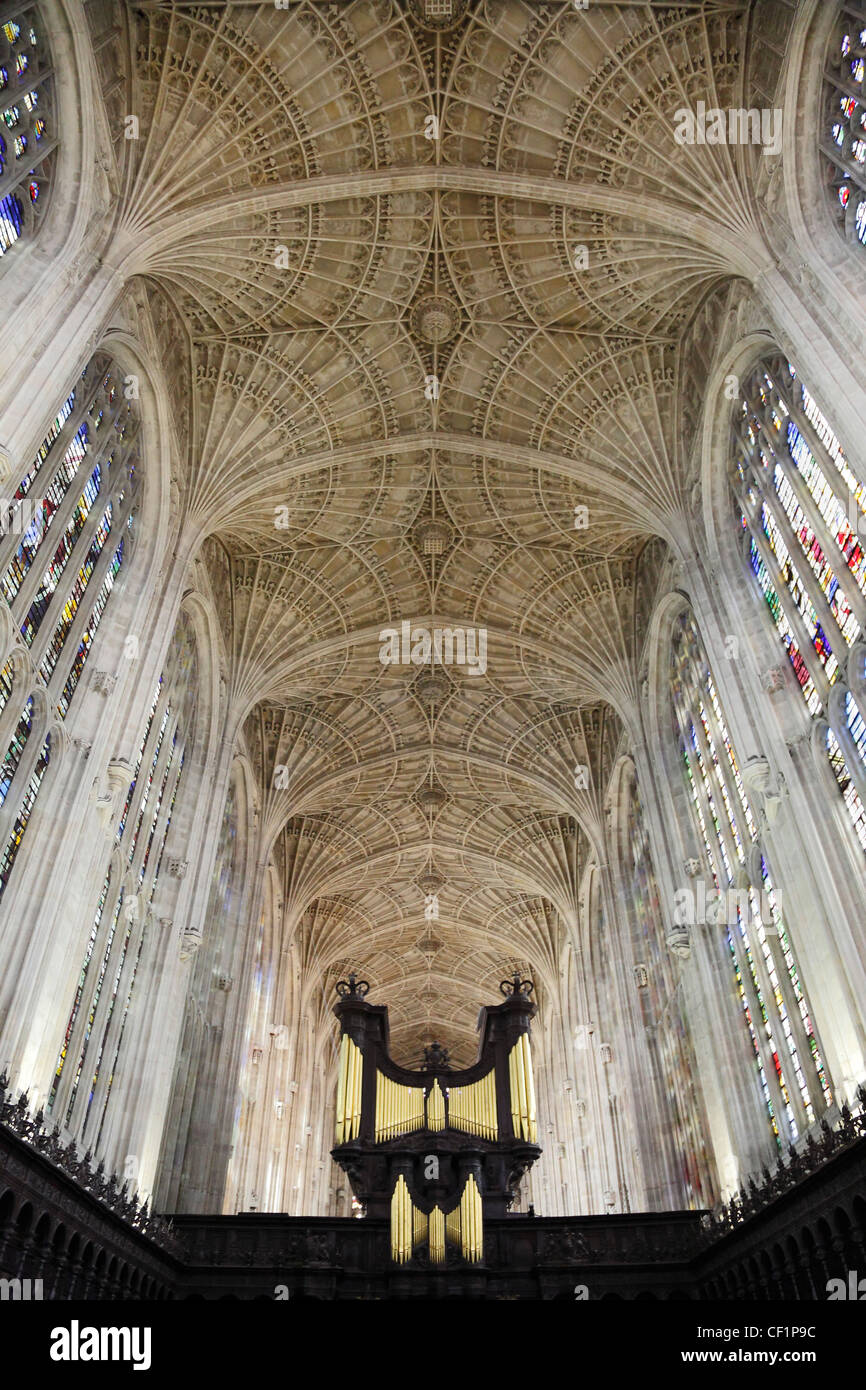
{"x": 127, "y": 1043}
{"x": 50, "y": 467}
{"x": 715, "y": 770}
{"x": 565, "y": 1098}
{"x": 816, "y": 594}
{"x": 721, "y": 1039}
{"x": 851, "y": 590}
{"x": 18, "y": 786}
{"x": 795, "y": 1019}
{"x": 101, "y": 943}
{"x": 87, "y": 1112}
{"x": 734, "y": 1129}
{"x": 247, "y": 1169}
{"x": 644, "y": 1093}
{"x": 48, "y": 627}
{"x": 144, "y": 772}
{"x": 715, "y": 826}
{"x": 795, "y": 618}
{"x": 838, "y": 723}
{"x": 239, "y": 964}
{"x": 739, "y": 949}
{"x": 750, "y": 984}
{"x": 16, "y": 933}
{"x": 11, "y": 712}
{"x": 817, "y": 449}
{"x": 83, "y": 1032}
{"x": 753, "y": 984}
{"x": 119, "y": 949}
{"x": 115, "y": 1020}
{"x": 812, "y": 863}
{"x": 76, "y": 1038}
{"x": 778, "y": 1034}
{"x": 173, "y": 784}
{"x": 165, "y": 761}
{"x": 801, "y": 1041}
{"x": 597, "y": 1094}
{"x": 53, "y": 534}
{"x": 725, "y": 772}
{"x": 683, "y": 1064}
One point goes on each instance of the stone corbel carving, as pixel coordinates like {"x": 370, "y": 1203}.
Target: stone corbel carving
{"x": 190, "y": 942}
{"x": 692, "y": 867}
{"x": 108, "y": 788}
{"x": 132, "y": 907}
{"x": 773, "y": 679}
{"x": 178, "y": 867}
{"x": 679, "y": 943}
{"x": 768, "y": 792}
{"x": 103, "y": 683}
{"x": 799, "y": 744}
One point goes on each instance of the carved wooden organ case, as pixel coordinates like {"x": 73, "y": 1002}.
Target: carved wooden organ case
{"x": 436, "y": 1150}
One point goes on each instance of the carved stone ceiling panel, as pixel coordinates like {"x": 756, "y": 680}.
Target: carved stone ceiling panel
{"x": 436, "y": 282}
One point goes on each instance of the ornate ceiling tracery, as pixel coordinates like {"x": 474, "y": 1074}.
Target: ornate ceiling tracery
{"x": 484, "y": 327}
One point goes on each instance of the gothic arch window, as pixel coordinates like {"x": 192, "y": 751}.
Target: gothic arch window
{"x": 843, "y": 138}
{"x": 64, "y": 537}
{"x": 802, "y": 513}
{"x": 28, "y": 137}
{"x": 741, "y": 902}
{"x": 125, "y": 921}
{"x": 661, "y": 1008}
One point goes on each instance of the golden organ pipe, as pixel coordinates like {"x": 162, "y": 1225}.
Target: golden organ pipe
{"x": 530, "y": 1086}
{"x": 395, "y": 1221}
{"x": 515, "y": 1098}
{"x": 350, "y": 1107}
{"x": 524, "y": 1098}
{"x": 474, "y": 1209}
{"x": 357, "y": 1073}
{"x": 338, "y": 1109}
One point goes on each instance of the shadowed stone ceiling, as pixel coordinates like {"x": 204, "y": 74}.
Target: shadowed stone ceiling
{"x": 313, "y": 260}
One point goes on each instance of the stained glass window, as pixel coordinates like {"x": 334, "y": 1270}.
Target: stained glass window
{"x": 662, "y": 1012}
{"x": 788, "y": 1063}
{"x": 843, "y": 137}
{"x": 28, "y": 137}
{"x": 13, "y": 844}
{"x": 62, "y": 545}
{"x": 802, "y": 511}
{"x": 123, "y": 925}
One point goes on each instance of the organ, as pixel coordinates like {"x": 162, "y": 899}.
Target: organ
{"x": 436, "y": 1150}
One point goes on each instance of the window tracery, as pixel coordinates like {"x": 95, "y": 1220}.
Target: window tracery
{"x": 790, "y": 1069}
{"x": 124, "y": 921}
{"x": 802, "y": 511}
{"x": 28, "y": 136}
{"x": 64, "y": 537}
{"x": 662, "y": 1013}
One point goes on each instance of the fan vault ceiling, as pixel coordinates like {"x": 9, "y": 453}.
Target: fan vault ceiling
{"x": 316, "y": 261}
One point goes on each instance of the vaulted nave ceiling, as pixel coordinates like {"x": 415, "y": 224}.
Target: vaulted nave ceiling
{"x": 313, "y": 260}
